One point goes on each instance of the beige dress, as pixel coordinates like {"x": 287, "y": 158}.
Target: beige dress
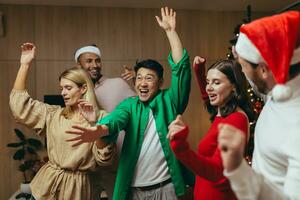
{"x": 65, "y": 176}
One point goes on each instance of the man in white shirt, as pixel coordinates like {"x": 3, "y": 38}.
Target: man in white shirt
{"x": 268, "y": 50}
{"x": 109, "y": 92}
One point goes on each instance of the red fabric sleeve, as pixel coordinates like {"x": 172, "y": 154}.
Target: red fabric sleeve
{"x": 199, "y": 70}
{"x": 238, "y": 120}
{"x": 210, "y": 168}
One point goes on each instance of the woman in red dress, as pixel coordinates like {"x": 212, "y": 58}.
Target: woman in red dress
{"x": 225, "y": 95}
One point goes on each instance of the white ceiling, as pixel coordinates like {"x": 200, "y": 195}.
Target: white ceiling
{"x": 220, "y": 5}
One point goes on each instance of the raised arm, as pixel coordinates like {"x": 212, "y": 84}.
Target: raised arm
{"x": 168, "y": 23}
{"x": 27, "y": 55}
{"x": 208, "y": 167}
{"x": 199, "y": 69}
{"x": 179, "y": 62}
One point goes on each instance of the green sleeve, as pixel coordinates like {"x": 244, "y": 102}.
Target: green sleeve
{"x": 181, "y": 81}
{"x": 116, "y": 120}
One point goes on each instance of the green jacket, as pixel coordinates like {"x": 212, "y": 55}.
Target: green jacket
{"x": 132, "y": 115}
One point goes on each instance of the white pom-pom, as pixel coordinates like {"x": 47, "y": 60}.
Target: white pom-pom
{"x": 281, "y": 92}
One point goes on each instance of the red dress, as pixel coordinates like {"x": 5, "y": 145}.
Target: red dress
{"x": 206, "y": 163}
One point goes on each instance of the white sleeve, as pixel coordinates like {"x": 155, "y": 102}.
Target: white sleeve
{"x": 292, "y": 150}
{"x": 249, "y": 185}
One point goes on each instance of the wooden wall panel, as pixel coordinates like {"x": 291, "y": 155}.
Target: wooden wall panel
{"x": 123, "y": 35}
{"x": 119, "y": 33}
{"x": 19, "y": 27}
{"x": 60, "y": 30}
{"x": 9, "y": 168}
{"x": 48, "y": 73}
{"x": 154, "y": 41}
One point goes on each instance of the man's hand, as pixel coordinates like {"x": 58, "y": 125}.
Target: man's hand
{"x": 86, "y": 134}
{"x": 128, "y": 73}
{"x": 231, "y": 144}
{"x": 176, "y": 126}
{"x": 27, "y": 53}
{"x": 168, "y": 19}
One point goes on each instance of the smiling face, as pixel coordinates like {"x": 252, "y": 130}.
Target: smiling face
{"x": 147, "y": 84}
{"x": 71, "y": 92}
{"x": 92, "y": 64}
{"x": 218, "y": 88}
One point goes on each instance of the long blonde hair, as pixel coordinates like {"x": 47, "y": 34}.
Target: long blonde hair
{"x": 80, "y": 78}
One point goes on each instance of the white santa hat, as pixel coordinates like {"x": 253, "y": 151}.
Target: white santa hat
{"x": 87, "y": 49}
{"x": 272, "y": 40}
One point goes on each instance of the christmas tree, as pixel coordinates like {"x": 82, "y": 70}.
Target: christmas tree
{"x": 256, "y": 101}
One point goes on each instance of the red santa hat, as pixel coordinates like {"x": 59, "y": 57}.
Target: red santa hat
{"x": 272, "y": 40}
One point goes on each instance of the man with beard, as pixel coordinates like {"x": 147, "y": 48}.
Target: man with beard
{"x": 109, "y": 92}
{"x": 269, "y": 51}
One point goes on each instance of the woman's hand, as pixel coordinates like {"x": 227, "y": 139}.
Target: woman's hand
{"x": 27, "y": 53}
{"x": 175, "y": 127}
{"x": 198, "y": 60}
{"x": 87, "y": 110}
{"x": 199, "y": 69}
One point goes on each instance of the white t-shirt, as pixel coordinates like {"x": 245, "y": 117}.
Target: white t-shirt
{"x": 151, "y": 167}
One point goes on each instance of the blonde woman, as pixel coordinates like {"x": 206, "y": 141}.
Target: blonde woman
{"x": 65, "y": 176}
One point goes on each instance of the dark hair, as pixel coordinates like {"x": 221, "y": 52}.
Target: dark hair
{"x": 239, "y": 98}
{"x": 150, "y": 64}
{"x": 294, "y": 70}
{"x": 253, "y": 65}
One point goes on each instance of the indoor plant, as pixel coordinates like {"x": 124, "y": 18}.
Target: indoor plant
{"x": 26, "y": 153}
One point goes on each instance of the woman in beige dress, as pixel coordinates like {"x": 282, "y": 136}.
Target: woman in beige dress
{"x": 65, "y": 175}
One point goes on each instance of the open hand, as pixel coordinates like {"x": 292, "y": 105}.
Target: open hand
{"x": 85, "y": 134}
{"x": 87, "y": 110}
{"x": 27, "y": 53}
{"x": 128, "y": 73}
{"x": 167, "y": 20}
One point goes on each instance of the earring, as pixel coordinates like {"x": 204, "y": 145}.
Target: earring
{"x": 235, "y": 94}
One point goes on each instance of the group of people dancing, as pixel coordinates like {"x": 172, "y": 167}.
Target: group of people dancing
{"x": 156, "y": 161}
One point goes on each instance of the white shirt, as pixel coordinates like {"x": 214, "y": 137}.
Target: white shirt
{"x": 151, "y": 167}
{"x": 276, "y": 157}
{"x": 109, "y": 93}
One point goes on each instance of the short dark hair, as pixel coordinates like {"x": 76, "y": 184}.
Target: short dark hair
{"x": 253, "y": 65}
{"x": 233, "y": 71}
{"x": 294, "y": 70}
{"x": 150, "y": 64}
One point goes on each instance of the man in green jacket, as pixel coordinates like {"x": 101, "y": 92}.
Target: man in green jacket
{"x": 147, "y": 166}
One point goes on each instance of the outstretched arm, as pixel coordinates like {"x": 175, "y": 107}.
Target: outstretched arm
{"x": 88, "y": 134}
{"x": 27, "y": 55}
{"x": 168, "y": 23}
{"x": 199, "y": 69}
